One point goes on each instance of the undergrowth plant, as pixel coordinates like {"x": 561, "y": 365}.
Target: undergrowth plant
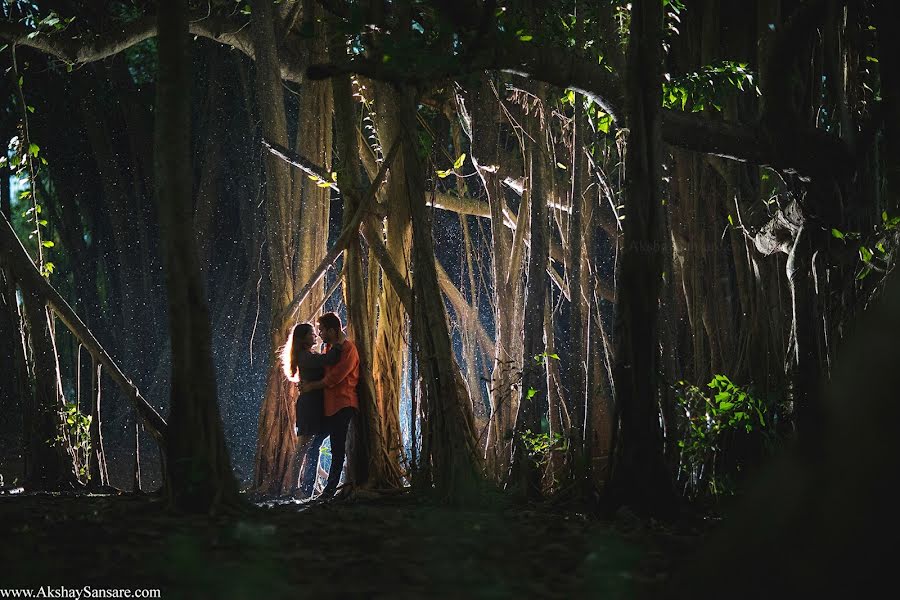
{"x": 723, "y": 424}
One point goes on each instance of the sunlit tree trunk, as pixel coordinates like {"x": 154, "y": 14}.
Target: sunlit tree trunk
{"x": 482, "y": 124}
{"x": 371, "y": 460}
{"x": 276, "y": 441}
{"x": 450, "y": 423}
{"x": 314, "y": 142}
{"x": 389, "y": 342}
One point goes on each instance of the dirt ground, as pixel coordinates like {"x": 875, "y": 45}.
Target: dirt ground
{"x": 385, "y": 547}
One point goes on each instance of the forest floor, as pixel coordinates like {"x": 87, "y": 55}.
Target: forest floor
{"x": 380, "y": 547}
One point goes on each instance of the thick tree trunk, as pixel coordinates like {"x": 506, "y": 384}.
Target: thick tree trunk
{"x": 315, "y": 142}
{"x": 198, "y": 477}
{"x": 450, "y": 423}
{"x": 639, "y": 477}
{"x": 372, "y": 459}
{"x": 579, "y": 312}
{"x": 483, "y": 129}
{"x": 389, "y": 342}
{"x": 276, "y": 440}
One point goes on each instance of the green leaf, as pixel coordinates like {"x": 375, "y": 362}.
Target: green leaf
{"x": 47, "y": 244}
{"x": 530, "y": 394}
{"x": 459, "y": 161}
{"x": 884, "y": 216}
{"x": 34, "y": 149}
{"x": 865, "y": 254}
{"x": 30, "y": 109}
{"x": 443, "y": 174}
{"x": 871, "y": 59}
{"x": 603, "y": 121}
{"x": 526, "y": 38}
{"x": 837, "y": 234}
{"x": 730, "y": 221}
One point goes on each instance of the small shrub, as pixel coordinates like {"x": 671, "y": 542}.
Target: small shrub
{"x": 721, "y": 422}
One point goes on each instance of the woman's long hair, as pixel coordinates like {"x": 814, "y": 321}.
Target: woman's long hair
{"x": 290, "y": 352}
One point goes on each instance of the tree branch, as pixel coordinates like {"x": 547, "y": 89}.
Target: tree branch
{"x": 27, "y": 275}
{"x": 807, "y": 152}
{"x": 90, "y": 47}
{"x": 463, "y": 309}
{"x": 295, "y": 160}
{"x": 544, "y": 63}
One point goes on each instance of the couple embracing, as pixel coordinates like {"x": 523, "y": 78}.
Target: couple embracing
{"x": 327, "y": 400}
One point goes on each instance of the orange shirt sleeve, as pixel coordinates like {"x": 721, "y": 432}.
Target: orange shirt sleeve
{"x": 340, "y": 371}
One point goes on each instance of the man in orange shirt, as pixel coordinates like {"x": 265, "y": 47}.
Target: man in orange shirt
{"x": 341, "y": 401}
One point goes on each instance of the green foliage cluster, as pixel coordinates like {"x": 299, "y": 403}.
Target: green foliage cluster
{"x": 25, "y": 162}
{"x": 77, "y": 432}
{"x": 49, "y": 23}
{"x": 877, "y": 250}
{"x": 708, "y": 87}
{"x": 540, "y": 445}
{"x": 714, "y": 418}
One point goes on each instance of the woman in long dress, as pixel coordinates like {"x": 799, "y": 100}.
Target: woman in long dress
{"x": 303, "y": 364}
